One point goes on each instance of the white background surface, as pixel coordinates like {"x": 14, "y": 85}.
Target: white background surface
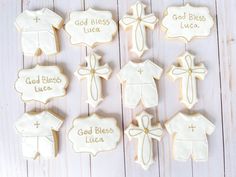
{"x": 217, "y": 93}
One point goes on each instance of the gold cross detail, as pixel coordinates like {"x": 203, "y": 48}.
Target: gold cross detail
{"x": 37, "y": 124}
{"x": 36, "y": 19}
{"x": 192, "y": 127}
{"x": 140, "y": 71}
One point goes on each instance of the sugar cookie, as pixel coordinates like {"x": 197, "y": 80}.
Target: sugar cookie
{"x": 38, "y": 31}
{"x": 139, "y": 83}
{"x": 188, "y": 73}
{"x": 187, "y": 22}
{"x": 91, "y": 27}
{"x": 93, "y": 73}
{"x": 138, "y": 22}
{"x": 94, "y": 134}
{"x": 189, "y": 136}
{"x": 39, "y": 134}
{"x": 144, "y": 132}
{"x": 41, "y": 83}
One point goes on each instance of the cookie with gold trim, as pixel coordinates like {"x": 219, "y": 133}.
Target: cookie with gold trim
{"x": 94, "y": 134}
{"x": 187, "y": 22}
{"x": 139, "y": 21}
{"x": 145, "y": 132}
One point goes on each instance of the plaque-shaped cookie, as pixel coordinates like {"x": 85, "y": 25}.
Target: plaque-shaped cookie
{"x": 91, "y": 27}
{"x": 41, "y": 83}
{"x": 187, "y": 22}
{"x": 94, "y": 134}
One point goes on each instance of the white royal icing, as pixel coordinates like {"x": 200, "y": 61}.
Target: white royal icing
{"x": 41, "y": 83}
{"x": 144, "y": 132}
{"x": 188, "y": 73}
{"x": 189, "y": 136}
{"x": 91, "y": 27}
{"x": 94, "y": 134}
{"x": 187, "y": 22}
{"x": 38, "y": 31}
{"x": 38, "y": 134}
{"x": 93, "y": 72}
{"x": 139, "y": 83}
{"x": 138, "y": 22}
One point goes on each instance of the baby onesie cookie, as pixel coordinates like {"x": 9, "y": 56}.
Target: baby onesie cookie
{"x": 188, "y": 72}
{"x": 91, "y": 27}
{"x": 39, "y": 134}
{"x": 139, "y": 83}
{"x": 38, "y": 31}
{"x": 139, "y": 21}
{"x": 144, "y": 132}
{"x": 187, "y": 22}
{"x": 93, "y": 72}
{"x": 189, "y": 136}
{"x": 94, "y": 134}
{"x": 41, "y": 83}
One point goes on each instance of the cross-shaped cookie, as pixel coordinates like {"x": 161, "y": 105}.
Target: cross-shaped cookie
{"x": 138, "y": 22}
{"x": 144, "y": 132}
{"x": 93, "y": 73}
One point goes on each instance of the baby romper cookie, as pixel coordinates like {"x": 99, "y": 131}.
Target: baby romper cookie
{"x": 91, "y": 27}
{"x": 189, "y": 136}
{"x": 188, "y": 73}
{"x": 39, "y": 134}
{"x": 94, "y": 134}
{"x": 138, "y": 22}
{"x": 144, "y": 132}
{"x": 38, "y": 31}
{"x": 41, "y": 83}
{"x": 139, "y": 83}
{"x": 187, "y": 22}
{"x": 93, "y": 72}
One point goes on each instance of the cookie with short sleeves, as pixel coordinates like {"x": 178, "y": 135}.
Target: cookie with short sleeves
{"x": 139, "y": 84}
{"x": 38, "y": 31}
{"x": 189, "y": 133}
{"x": 39, "y": 134}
